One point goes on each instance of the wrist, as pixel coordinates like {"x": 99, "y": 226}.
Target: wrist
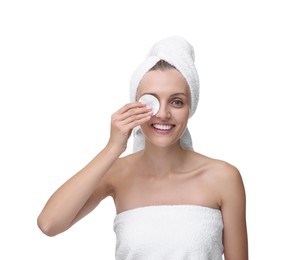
{"x": 115, "y": 149}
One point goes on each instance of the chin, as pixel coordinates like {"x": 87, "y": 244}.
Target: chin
{"x": 161, "y": 143}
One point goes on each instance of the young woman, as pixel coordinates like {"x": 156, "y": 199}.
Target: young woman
{"x": 171, "y": 202}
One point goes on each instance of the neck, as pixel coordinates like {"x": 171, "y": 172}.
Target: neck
{"x": 163, "y": 160}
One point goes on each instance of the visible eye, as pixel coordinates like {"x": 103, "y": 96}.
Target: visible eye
{"x": 177, "y": 103}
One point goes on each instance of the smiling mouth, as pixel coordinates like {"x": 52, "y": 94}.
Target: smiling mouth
{"x": 163, "y": 127}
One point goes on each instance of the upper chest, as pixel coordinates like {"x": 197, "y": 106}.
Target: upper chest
{"x": 136, "y": 189}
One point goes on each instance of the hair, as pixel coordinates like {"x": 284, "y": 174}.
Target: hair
{"x": 162, "y": 65}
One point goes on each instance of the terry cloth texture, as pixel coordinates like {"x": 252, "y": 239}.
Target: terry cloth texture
{"x": 175, "y": 232}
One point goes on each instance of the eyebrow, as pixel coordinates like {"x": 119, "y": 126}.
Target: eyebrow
{"x": 175, "y": 94}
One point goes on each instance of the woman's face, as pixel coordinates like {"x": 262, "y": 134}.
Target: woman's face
{"x": 171, "y": 89}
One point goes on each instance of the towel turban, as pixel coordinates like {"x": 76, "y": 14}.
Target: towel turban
{"x": 179, "y": 53}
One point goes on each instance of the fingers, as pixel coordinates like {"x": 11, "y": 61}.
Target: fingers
{"x": 130, "y": 109}
{"x": 125, "y": 119}
{"x": 132, "y": 112}
{"x": 133, "y": 122}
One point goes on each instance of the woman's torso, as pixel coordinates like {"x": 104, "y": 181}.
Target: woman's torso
{"x": 143, "y": 201}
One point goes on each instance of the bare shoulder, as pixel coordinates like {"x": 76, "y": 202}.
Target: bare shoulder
{"x": 121, "y": 168}
{"x": 227, "y": 174}
{"x": 224, "y": 176}
{"x": 229, "y": 183}
{"x": 114, "y": 177}
{"x": 124, "y": 162}
{"x": 220, "y": 169}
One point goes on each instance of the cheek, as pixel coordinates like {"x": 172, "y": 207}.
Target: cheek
{"x": 181, "y": 115}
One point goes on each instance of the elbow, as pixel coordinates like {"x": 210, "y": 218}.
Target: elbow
{"x": 47, "y": 227}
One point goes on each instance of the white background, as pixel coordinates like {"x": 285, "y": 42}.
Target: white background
{"x": 65, "y": 67}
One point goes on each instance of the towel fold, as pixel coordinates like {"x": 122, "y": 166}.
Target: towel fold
{"x": 179, "y": 53}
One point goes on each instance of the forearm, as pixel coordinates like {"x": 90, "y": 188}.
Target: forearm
{"x": 67, "y": 201}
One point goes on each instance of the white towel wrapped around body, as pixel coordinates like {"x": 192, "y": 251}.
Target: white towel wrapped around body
{"x": 180, "y": 54}
{"x": 169, "y": 232}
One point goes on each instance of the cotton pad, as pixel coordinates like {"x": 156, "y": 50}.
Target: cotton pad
{"x": 151, "y": 102}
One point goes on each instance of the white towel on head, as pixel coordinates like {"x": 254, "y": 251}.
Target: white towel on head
{"x": 179, "y": 53}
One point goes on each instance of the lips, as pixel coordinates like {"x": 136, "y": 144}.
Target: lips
{"x": 163, "y": 127}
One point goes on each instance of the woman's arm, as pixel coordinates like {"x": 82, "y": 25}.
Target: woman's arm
{"x": 82, "y": 192}
{"x": 234, "y": 215}
{"x": 65, "y": 204}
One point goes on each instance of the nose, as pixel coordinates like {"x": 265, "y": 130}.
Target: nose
{"x": 164, "y": 112}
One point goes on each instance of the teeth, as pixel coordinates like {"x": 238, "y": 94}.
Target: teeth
{"x": 162, "y": 127}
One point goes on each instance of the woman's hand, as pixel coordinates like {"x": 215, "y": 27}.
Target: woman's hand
{"x": 124, "y": 120}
